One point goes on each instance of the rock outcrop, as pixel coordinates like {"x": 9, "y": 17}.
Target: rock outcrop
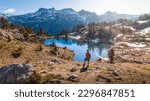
{"x": 12, "y": 34}
{"x": 12, "y": 74}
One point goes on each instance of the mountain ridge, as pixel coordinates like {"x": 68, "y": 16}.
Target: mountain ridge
{"x": 54, "y": 21}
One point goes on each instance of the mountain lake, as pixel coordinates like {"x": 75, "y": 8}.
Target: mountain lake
{"x": 80, "y": 49}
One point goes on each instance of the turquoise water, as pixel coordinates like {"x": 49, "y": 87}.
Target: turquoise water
{"x": 80, "y": 48}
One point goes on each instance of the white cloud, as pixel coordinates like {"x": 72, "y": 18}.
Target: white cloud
{"x": 10, "y": 11}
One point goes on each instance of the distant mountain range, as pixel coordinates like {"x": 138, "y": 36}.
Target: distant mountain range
{"x": 54, "y": 21}
{"x": 113, "y": 16}
{"x": 5, "y": 15}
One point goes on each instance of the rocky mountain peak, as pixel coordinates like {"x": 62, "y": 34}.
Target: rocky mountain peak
{"x": 110, "y": 13}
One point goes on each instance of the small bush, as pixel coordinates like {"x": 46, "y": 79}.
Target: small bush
{"x": 54, "y": 51}
{"x": 17, "y": 53}
{"x": 73, "y": 70}
{"x": 1, "y": 46}
{"x": 28, "y": 60}
{"x": 54, "y": 46}
{"x": 39, "y": 48}
{"x": 9, "y": 39}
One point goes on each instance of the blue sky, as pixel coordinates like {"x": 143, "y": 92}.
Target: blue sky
{"x": 98, "y": 6}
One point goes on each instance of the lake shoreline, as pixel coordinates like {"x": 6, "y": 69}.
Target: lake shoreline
{"x": 79, "y": 49}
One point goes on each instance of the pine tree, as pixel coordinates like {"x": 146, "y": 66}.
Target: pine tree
{"x": 40, "y": 32}
{"x": 64, "y": 32}
{"x": 24, "y": 32}
{"x": 4, "y": 23}
{"x": 12, "y": 26}
{"x": 29, "y": 30}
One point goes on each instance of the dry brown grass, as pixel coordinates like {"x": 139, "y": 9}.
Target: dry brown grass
{"x": 17, "y": 52}
{"x": 98, "y": 72}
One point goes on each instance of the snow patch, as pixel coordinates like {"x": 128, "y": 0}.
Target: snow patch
{"x": 146, "y": 30}
{"x": 117, "y": 25}
{"x": 105, "y": 59}
{"x": 96, "y": 40}
{"x": 142, "y": 22}
{"x": 75, "y": 37}
{"x": 129, "y": 27}
{"x": 134, "y": 45}
{"x": 72, "y": 33}
{"x": 148, "y": 39}
{"x": 85, "y": 32}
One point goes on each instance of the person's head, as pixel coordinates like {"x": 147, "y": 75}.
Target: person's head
{"x": 87, "y": 50}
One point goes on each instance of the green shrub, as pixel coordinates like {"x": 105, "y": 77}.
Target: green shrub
{"x": 1, "y": 46}
{"x": 39, "y": 48}
{"x": 17, "y": 53}
{"x": 9, "y": 39}
{"x": 54, "y": 51}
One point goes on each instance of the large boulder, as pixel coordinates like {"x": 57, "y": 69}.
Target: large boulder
{"x": 12, "y": 74}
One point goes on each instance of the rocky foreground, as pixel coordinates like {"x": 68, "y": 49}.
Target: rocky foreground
{"x": 69, "y": 72}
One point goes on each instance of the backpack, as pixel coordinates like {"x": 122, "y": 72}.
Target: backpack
{"x": 89, "y": 55}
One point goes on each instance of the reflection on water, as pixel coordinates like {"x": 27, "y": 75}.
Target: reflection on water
{"x": 80, "y": 48}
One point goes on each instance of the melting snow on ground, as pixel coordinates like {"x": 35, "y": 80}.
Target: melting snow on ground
{"x": 128, "y": 27}
{"x": 134, "y": 45}
{"x": 141, "y": 22}
{"x": 146, "y": 30}
{"x": 75, "y": 37}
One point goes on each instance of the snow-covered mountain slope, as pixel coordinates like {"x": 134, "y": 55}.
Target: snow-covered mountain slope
{"x": 51, "y": 20}
{"x": 112, "y": 16}
{"x": 5, "y": 15}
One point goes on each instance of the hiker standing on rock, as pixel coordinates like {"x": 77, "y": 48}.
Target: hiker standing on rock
{"x": 111, "y": 55}
{"x": 87, "y": 58}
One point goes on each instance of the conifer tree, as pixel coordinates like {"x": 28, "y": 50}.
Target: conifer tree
{"x": 40, "y": 32}
{"x": 29, "y": 30}
{"x": 4, "y": 23}
{"x": 12, "y": 26}
{"x": 64, "y": 32}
